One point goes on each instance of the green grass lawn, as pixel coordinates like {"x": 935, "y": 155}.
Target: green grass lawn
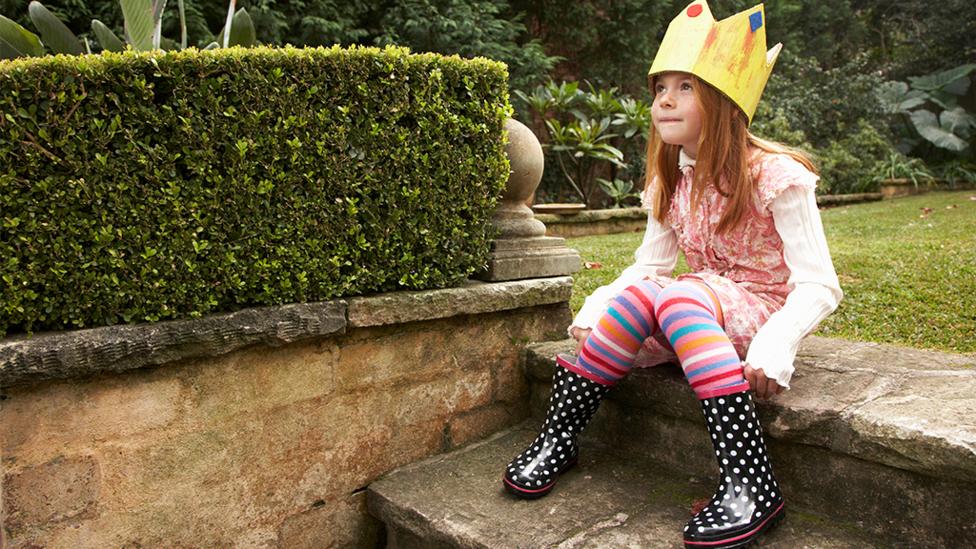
{"x": 907, "y": 279}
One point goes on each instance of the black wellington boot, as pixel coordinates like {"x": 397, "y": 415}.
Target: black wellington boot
{"x": 574, "y": 401}
{"x": 748, "y": 500}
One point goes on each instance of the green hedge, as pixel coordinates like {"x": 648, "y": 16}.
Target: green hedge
{"x": 148, "y": 186}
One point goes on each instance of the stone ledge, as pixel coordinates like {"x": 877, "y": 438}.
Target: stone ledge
{"x": 828, "y": 200}
{"x": 471, "y": 298}
{"x": 127, "y": 347}
{"x": 78, "y": 353}
{"x": 906, "y": 408}
{"x": 589, "y": 216}
{"x": 594, "y": 222}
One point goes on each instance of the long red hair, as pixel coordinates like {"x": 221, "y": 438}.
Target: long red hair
{"x": 724, "y": 149}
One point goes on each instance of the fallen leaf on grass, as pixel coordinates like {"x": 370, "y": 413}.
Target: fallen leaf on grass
{"x": 951, "y": 206}
{"x": 698, "y": 505}
{"x": 592, "y": 265}
{"x": 925, "y": 212}
{"x": 972, "y": 197}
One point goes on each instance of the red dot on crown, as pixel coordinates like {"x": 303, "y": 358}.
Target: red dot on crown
{"x": 694, "y": 10}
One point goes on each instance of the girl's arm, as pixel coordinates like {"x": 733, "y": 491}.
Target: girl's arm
{"x": 656, "y": 256}
{"x": 815, "y": 289}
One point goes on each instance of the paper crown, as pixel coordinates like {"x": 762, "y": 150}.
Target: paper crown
{"x": 729, "y": 54}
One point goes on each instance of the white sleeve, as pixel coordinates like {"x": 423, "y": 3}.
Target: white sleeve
{"x": 814, "y": 289}
{"x": 656, "y": 256}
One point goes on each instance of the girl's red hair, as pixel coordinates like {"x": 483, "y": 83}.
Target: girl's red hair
{"x": 724, "y": 150}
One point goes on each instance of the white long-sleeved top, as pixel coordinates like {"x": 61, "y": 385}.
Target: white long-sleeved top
{"x": 814, "y": 288}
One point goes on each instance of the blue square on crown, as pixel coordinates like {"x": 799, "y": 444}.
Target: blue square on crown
{"x": 756, "y": 20}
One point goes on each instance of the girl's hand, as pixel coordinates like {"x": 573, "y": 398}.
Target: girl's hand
{"x": 758, "y": 381}
{"x": 580, "y": 334}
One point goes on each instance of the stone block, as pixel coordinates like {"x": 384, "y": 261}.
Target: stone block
{"x": 911, "y": 509}
{"x": 510, "y": 382}
{"x": 254, "y": 380}
{"x": 443, "y": 397}
{"x": 595, "y": 222}
{"x": 35, "y": 423}
{"x": 540, "y": 358}
{"x": 387, "y": 357}
{"x": 78, "y": 353}
{"x": 812, "y": 411}
{"x": 337, "y": 522}
{"x": 61, "y": 489}
{"x": 533, "y": 258}
{"x": 925, "y": 423}
{"x": 481, "y": 422}
{"x": 471, "y": 298}
{"x": 162, "y": 471}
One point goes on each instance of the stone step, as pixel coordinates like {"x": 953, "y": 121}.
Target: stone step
{"x": 878, "y": 435}
{"x": 608, "y": 500}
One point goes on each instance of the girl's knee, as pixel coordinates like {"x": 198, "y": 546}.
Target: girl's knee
{"x": 645, "y": 288}
{"x": 681, "y": 289}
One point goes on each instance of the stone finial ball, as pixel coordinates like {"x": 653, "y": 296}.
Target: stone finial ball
{"x": 526, "y": 160}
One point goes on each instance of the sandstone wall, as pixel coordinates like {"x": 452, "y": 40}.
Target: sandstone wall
{"x": 261, "y": 446}
{"x": 595, "y": 222}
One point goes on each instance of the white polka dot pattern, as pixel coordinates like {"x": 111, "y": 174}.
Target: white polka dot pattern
{"x": 573, "y": 403}
{"x": 748, "y": 500}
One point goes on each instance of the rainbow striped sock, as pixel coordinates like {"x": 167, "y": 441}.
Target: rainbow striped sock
{"x": 608, "y": 353}
{"x": 688, "y": 313}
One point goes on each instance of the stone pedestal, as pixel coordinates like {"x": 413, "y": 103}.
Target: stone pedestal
{"x": 522, "y": 250}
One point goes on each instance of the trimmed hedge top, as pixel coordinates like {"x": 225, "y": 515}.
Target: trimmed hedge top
{"x": 147, "y": 186}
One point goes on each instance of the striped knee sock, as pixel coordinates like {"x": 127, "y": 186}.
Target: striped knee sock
{"x": 688, "y": 313}
{"x": 609, "y": 351}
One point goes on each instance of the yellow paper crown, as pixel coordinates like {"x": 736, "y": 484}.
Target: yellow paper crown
{"x": 729, "y": 54}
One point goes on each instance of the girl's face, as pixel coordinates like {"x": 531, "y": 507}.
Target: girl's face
{"x": 675, "y": 111}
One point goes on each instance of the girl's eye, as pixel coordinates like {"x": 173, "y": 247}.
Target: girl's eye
{"x": 686, "y": 85}
{"x": 658, "y": 89}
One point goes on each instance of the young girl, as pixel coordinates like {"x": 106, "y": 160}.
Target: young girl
{"x": 743, "y": 212}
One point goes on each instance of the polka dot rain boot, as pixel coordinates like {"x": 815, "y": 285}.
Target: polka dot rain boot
{"x": 748, "y": 500}
{"x": 574, "y": 401}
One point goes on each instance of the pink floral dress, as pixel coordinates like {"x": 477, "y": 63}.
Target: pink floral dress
{"x": 744, "y": 267}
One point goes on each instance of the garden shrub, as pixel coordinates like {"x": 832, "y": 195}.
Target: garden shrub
{"x": 853, "y": 163}
{"x": 149, "y": 186}
{"x": 825, "y": 103}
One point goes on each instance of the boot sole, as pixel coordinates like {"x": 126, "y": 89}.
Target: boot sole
{"x": 525, "y": 493}
{"x": 742, "y": 540}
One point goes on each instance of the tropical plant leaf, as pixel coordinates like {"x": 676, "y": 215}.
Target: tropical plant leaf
{"x": 943, "y": 99}
{"x": 896, "y": 97}
{"x": 957, "y": 121}
{"x": 106, "y": 37}
{"x": 56, "y": 34}
{"x": 16, "y": 41}
{"x": 958, "y": 86}
{"x": 941, "y": 79}
{"x": 928, "y": 127}
{"x": 911, "y": 103}
{"x": 241, "y": 31}
{"x": 139, "y": 28}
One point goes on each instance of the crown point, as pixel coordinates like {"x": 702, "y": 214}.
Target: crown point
{"x": 694, "y": 10}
